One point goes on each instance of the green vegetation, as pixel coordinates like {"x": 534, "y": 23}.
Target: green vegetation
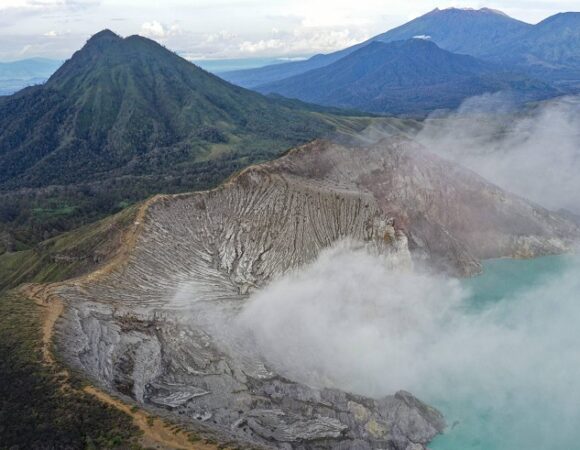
{"x": 67, "y": 255}
{"x": 36, "y": 411}
{"x": 124, "y": 119}
{"x": 47, "y": 213}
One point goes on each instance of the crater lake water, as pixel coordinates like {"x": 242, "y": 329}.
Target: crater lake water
{"x": 523, "y": 393}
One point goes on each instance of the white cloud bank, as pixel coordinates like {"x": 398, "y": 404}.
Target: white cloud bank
{"x": 302, "y": 41}
{"x": 280, "y": 28}
{"x": 157, "y": 30}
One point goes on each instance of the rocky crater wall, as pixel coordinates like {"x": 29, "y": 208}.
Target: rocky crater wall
{"x": 155, "y": 328}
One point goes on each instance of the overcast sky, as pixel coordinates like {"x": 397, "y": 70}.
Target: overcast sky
{"x": 201, "y": 29}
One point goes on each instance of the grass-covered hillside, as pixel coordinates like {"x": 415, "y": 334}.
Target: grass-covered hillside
{"x": 130, "y": 107}
{"x": 67, "y": 255}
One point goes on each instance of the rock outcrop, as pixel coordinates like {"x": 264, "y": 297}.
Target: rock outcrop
{"x": 155, "y": 328}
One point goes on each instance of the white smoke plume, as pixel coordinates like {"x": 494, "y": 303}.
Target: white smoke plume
{"x": 506, "y": 369}
{"x": 534, "y": 153}
{"x": 346, "y": 321}
{"x": 321, "y": 324}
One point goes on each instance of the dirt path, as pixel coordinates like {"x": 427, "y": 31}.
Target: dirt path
{"x": 52, "y": 307}
{"x": 156, "y": 433}
{"x": 128, "y": 242}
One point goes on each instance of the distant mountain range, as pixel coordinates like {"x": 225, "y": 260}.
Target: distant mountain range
{"x": 548, "y": 51}
{"x": 466, "y": 31}
{"x": 17, "y": 75}
{"x": 525, "y": 55}
{"x": 457, "y": 30}
{"x": 405, "y": 77}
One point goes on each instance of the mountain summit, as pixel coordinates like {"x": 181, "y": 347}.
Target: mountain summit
{"x": 129, "y": 107}
{"x": 465, "y": 31}
{"x": 404, "y": 77}
{"x": 124, "y": 119}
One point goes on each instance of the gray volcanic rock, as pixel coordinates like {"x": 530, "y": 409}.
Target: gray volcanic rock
{"x": 157, "y": 328}
{"x": 451, "y": 216}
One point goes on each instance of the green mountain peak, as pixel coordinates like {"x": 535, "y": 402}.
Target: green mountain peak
{"x": 125, "y": 118}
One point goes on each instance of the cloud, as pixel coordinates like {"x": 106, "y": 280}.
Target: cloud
{"x": 13, "y": 4}
{"x": 292, "y": 58}
{"x": 45, "y": 5}
{"x": 305, "y": 41}
{"x": 265, "y": 29}
{"x": 24, "y": 50}
{"x": 221, "y": 36}
{"x": 335, "y": 14}
{"x": 277, "y": 43}
{"x": 153, "y": 29}
{"x": 55, "y": 33}
{"x": 262, "y": 45}
{"x": 318, "y": 325}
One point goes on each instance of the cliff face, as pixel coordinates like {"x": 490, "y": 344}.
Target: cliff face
{"x": 156, "y": 327}
{"x": 451, "y": 216}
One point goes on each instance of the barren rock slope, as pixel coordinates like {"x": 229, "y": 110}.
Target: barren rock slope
{"x": 452, "y": 216}
{"x": 155, "y": 328}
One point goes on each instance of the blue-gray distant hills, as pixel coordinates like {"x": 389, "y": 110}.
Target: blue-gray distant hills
{"x": 472, "y": 32}
{"x": 532, "y": 60}
{"x": 16, "y": 75}
{"x": 405, "y": 77}
{"x": 549, "y": 50}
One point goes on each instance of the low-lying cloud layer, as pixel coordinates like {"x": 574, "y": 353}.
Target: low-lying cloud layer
{"x": 508, "y": 370}
{"x": 535, "y": 154}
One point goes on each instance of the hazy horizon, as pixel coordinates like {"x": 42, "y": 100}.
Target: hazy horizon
{"x": 236, "y": 29}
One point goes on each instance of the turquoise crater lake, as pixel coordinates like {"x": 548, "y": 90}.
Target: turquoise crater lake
{"x": 520, "y": 387}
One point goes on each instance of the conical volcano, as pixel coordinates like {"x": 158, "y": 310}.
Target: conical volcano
{"x": 130, "y": 107}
